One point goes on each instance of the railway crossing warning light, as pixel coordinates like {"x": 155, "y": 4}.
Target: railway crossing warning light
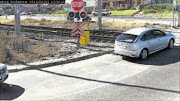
{"x": 83, "y": 15}
{"x": 77, "y": 16}
{"x": 71, "y": 15}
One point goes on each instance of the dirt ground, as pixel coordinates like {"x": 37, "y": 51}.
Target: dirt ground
{"x": 15, "y": 50}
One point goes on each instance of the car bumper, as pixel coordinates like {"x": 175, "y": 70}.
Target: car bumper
{"x": 126, "y": 52}
{"x": 4, "y": 76}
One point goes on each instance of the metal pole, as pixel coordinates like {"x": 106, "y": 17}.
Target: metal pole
{"x": 179, "y": 13}
{"x": 99, "y": 15}
{"x": 179, "y": 19}
{"x": 17, "y": 20}
{"x": 174, "y": 16}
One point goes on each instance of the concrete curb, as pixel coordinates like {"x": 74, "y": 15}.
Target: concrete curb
{"x": 46, "y": 65}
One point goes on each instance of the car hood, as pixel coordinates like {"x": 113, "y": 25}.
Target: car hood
{"x": 2, "y": 66}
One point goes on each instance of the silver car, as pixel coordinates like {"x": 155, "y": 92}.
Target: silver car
{"x": 3, "y": 73}
{"x": 141, "y": 42}
{"x": 104, "y": 13}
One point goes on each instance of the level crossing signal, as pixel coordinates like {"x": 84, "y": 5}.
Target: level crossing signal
{"x": 83, "y": 15}
{"x": 77, "y": 15}
{"x": 71, "y": 15}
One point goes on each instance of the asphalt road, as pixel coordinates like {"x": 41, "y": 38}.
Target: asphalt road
{"x": 105, "y": 18}
{"x": 106, "y": 77}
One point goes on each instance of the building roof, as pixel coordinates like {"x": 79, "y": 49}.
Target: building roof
{"x": 138, "y": 31}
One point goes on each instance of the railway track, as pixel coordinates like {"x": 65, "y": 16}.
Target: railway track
{"x": 95, "y": 35}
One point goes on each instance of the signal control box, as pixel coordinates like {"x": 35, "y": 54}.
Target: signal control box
{"x": 85, "y": 40}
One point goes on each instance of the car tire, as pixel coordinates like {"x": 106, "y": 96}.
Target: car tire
{"x": 103, "y": 14}
{"x": 171, "y": 44}
{"x": 144, "y": 54}
{"x": 94, "y": 14}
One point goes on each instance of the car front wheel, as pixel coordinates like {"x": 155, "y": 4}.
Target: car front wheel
{"x": 144, "y": 54}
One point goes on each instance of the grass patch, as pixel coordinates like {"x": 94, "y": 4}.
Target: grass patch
{"x": 123, "y": 13}
{"x": 158, "y": 8}
{"x": 124, "y": 25}
{"x": 5, "y": 20}
{"x": 158, "y": 11}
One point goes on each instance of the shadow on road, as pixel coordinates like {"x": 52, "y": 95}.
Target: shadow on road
{"x": 10, "y": 92}
{"x": 108, "y": 82}
{"x": 163, "y": 57}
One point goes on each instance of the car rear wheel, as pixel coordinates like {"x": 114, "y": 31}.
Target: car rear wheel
{"x": 171, "y": 44}
{"x": 144, "y": 54}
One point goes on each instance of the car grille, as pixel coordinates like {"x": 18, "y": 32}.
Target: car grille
{"x": 2, "y": 71}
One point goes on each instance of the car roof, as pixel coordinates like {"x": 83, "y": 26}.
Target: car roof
{"x": 138, "y": 31}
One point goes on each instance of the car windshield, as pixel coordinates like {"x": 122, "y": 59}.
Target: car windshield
{"x": 129, "y": 38}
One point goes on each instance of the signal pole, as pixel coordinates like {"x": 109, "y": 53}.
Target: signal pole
{"x": 174, "y": 17}
{"x": 179, "y": 13}
{"x": 99, "y": 15}
{"x": 17, "y": 20}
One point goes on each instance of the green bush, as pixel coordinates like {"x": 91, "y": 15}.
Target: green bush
{"x": 150, "y": 11}
{"x": 157, "y": 8}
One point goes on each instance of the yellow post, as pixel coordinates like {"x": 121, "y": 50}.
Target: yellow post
{"x": 87, "y": 37}
{"x": 85, "y": 40}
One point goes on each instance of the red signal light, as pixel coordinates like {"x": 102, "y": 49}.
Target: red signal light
{"x": 83, "y": 15}
{"x": 71, "y": 15}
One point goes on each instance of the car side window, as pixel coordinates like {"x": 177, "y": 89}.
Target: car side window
{"x": 148, "y": 36}
{"x": 158, "y": 33}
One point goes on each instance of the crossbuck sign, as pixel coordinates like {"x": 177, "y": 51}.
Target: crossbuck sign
{"x": 78, "y": 29}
